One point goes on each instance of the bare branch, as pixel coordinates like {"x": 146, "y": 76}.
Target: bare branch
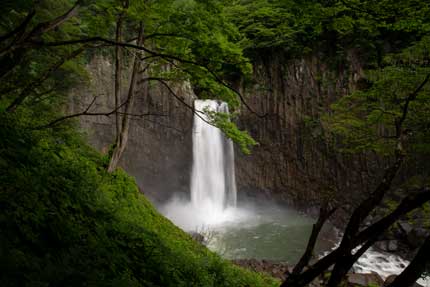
{"x": 324, "y": 215}
{"x": 49, "y": 25}
{"x": 87, "y": 113}
{"x": 409, "y": 99}
{"x": 165, "y": 126}
{"x": 194, "y": 111}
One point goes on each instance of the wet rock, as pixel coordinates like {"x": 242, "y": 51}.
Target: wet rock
{"x": 392, "y": 245}
{"x": 366, "y": 279}
{"x": 381, "y": 245}
{"x": 417, "y": 236}
{"x": 405, "y": 227}
{"x": 387, "y": 245}
{"x": 391, "y": 278}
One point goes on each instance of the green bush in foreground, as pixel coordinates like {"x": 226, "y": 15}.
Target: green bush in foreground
{"x": 64, "y": 221}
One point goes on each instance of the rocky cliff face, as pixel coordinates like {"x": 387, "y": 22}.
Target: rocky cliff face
{"x": 159, "y": 151}
{"x": 293, "y": 160}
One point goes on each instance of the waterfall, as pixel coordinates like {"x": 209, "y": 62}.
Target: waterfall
{"x": 213, "y": 184}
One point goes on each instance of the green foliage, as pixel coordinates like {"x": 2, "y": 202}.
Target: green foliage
{"x": 366, "y": 119}
{"x": 224, "y": 123}
{"x": 66, "y": 222}
{"x": 301, "y": 27}
{"x": 198, "y": 33}
{"x": 289, "y": 25}
{"x": 189, "y": 41}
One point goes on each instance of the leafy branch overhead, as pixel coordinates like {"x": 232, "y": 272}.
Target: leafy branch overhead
{"x": 193, "y": 39}
{"x": 223, "y": 122}
{"x": 366, "y": 120}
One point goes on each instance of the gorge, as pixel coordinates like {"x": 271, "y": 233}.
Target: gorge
{"x": 215, "y": 143}
{"x": 169, "y": 150}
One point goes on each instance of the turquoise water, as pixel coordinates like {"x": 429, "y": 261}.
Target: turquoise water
{"x": 271, "y": 233}
{"x": 254, "y": 229}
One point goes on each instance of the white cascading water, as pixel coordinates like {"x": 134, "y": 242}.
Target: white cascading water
{"x": 213, "y": 186}
{"x": 382, "y": 263}
{"x": 213, "y": 183}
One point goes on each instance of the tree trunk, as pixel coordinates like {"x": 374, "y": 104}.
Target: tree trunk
{"x": 118, "y": 76}
{"x": 324, "y": 214}
{"x": 366, "y": 207}
{"x": 122, "y": 137}
{"x": 343, "y": 264}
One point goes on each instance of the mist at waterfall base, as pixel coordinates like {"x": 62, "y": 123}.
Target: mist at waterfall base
{"x": 249, "y": 228}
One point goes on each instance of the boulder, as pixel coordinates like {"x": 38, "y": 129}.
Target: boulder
{"x": 365, "y": 279}
{"x": 405, "y": 227}
{"x": 417, "y": 236}
{"x": 392, "y": 245}
{"x": 387, "y": 245}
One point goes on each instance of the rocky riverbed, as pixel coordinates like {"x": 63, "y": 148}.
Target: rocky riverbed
{"x": 281, "y": 270}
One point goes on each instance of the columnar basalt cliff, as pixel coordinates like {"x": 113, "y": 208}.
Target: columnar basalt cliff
{"x": 293, "y": 160}
{"x": 159, "y": 150}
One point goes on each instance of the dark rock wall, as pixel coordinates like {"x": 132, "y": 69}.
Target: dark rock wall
{"x": 159, "y": 150}
{"x": 293, "y": 160}
{"x": 292, "y": 163}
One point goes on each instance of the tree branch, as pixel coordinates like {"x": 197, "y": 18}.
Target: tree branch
{"x": 417, "y": 266}
{"x": 42, "y": 28}
{"x": 370, "y": 234}
{"x": 87, "y": 113}
{"x": 324, "y": 215}
{"x": 49, "y": 25}
{"x": 342, "y": 256}
{"x": 368, "y": 205}
{"x": 409, "y": 99}
{"x": 153, "y": 54}
{"x": 33, "y": 85}
{"x": 20, "y": 28}
{"x": 193, "y": 110}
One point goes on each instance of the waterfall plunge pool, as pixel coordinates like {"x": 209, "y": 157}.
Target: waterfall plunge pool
{"x": 262, "y": 230}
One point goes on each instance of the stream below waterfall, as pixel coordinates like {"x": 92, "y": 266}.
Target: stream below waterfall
{"x": 266, "y": 230}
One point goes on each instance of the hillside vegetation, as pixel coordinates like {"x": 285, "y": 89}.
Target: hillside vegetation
{"x": 65, "y": 221}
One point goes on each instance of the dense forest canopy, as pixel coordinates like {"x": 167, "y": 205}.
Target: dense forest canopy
{"x": 70, "y": 217}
